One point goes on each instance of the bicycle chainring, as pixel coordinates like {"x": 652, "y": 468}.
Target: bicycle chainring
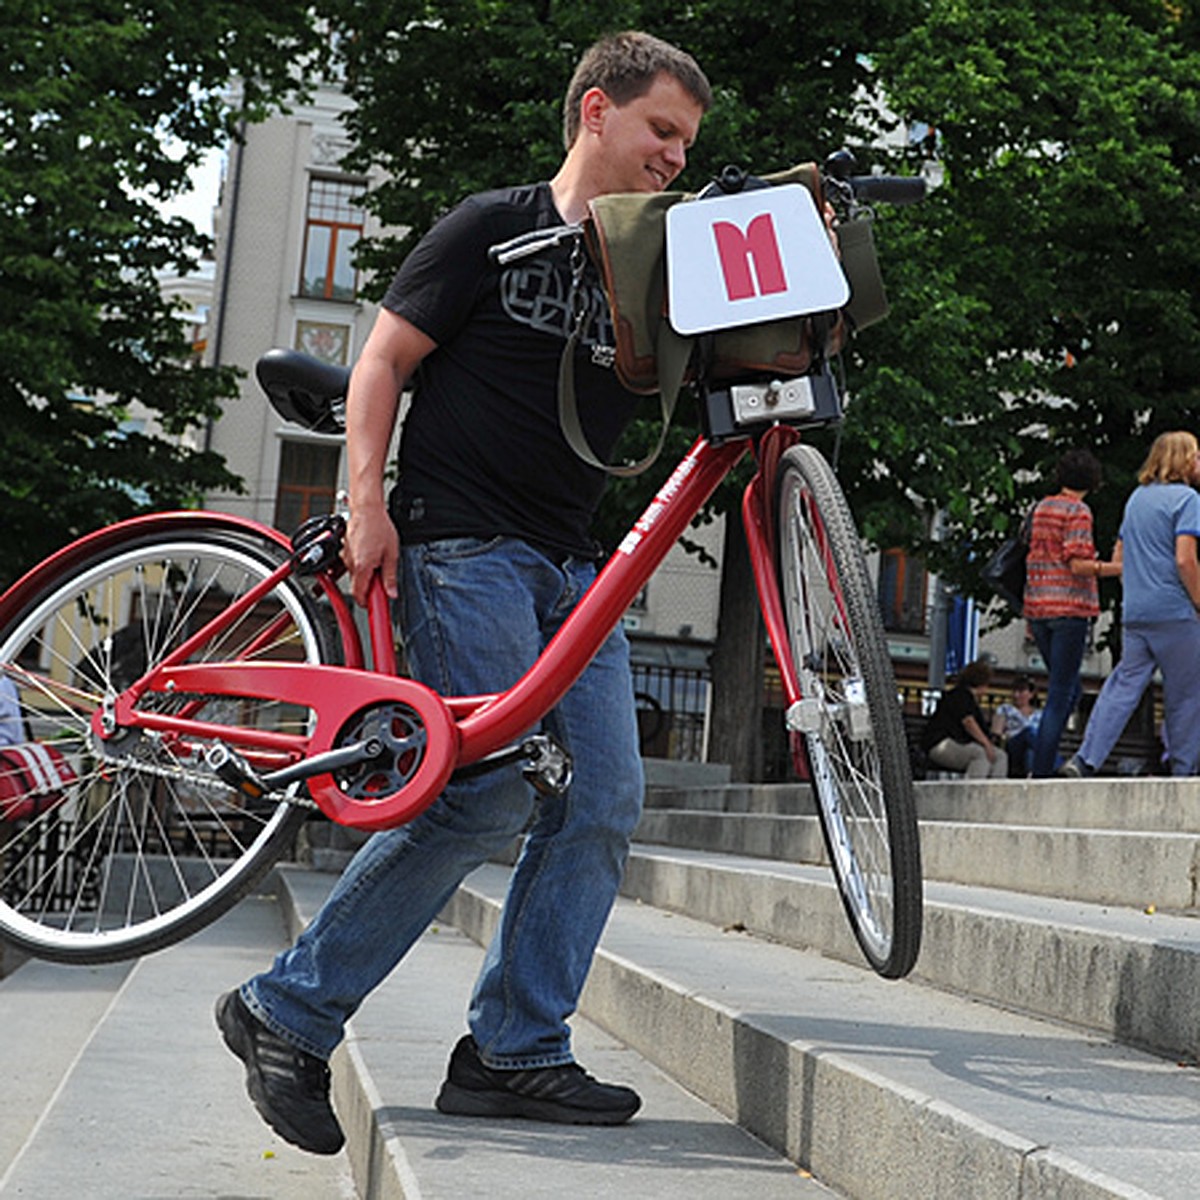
{"x": 403, "y": 737}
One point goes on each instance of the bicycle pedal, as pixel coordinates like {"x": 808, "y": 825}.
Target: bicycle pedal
{"x": 232, "y": 769}
{"x": 549, "y": 768}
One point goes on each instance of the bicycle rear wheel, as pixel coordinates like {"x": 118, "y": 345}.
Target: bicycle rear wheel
{"x": 848, "y": 725}
{"x": 144, "y": 846}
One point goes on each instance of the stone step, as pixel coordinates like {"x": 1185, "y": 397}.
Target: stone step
{"x": 1098, "y": 866}
{"x": 674, "y": 773}
{"x": 388, "y": 1071}
{"x": 1147, "y": 804}
{"x": 117, "y": 1085}
{"x": 882, "y": 1089}
{"x": 1152, "y": 804}
{"x": 1101, "y": 866}
{"x": 1118, "y": 972}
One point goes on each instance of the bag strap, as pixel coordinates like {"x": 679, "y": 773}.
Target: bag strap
{"x": 673, "y": 352}
{"x": 1025, "y": 530}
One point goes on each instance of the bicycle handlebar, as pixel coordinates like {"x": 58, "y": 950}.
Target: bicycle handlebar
{"x": 892, "y": 189}
{"x": 524, "y": 245}
{"x": 835, "y": 171}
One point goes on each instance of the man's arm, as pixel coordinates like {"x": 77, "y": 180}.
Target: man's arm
{"x": 392, "y": 353}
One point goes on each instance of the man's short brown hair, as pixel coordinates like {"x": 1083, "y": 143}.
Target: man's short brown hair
{"x": 624, "y": 66}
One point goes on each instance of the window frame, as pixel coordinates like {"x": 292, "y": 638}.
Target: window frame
{"x": 312, "y": 499}
{"x": 328, "y": 202}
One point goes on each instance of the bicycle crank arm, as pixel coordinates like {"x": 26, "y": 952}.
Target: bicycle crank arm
{"x": 237, "y": 772}
{"x": 547, "y": 765}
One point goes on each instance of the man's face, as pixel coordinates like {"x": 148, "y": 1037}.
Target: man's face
{"x": 643, "y": 144}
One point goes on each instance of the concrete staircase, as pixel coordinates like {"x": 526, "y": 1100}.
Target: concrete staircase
{"x": 1045, "y": 1046}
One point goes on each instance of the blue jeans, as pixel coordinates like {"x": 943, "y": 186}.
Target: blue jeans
{"x": 1061, "y": 642}
{"x": 476, "y": 615}
{"x": 1020, "y": 753}
{"x": 1174, "y": 647}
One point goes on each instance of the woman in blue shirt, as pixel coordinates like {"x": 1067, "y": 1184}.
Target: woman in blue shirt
{"x": 1160, "y": 622}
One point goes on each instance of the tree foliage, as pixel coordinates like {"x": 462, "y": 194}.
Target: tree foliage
{"x": 455, "y": 96}
{"x": 1055, "y": 269}
{"x": 105, "y": 107}
{"x": 1042, "y": 297}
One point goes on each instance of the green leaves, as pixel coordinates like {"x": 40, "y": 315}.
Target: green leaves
{"x": 1068, "y": 135}
{"x": 104, "y": 108}
{"x": 1043, "y": 297}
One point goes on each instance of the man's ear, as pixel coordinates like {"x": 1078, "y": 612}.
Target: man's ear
{"x": 593, "y": 108}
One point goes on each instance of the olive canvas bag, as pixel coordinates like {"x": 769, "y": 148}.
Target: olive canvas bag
{"x": 625, "y": 236}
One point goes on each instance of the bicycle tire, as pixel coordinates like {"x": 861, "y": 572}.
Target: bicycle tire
{"x": 847, "y": 730}
{"x": 145, "y": 847}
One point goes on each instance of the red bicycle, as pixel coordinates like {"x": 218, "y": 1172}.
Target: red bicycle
{"x": 204, "y": 679}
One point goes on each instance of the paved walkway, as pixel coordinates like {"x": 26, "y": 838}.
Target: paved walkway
{"x": 117, "y": 1086}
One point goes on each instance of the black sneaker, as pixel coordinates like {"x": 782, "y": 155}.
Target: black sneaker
{"x": 289, "y": 1087}
{"x": 566, "y": 1094}
{"x": 1076, "y": 768}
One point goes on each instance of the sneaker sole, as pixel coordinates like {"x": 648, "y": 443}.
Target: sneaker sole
{"x": 457, "y": 1101}
{"x": 235, "y": 1038}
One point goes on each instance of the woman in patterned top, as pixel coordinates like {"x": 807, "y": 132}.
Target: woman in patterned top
{"x": 1061, "y": 597}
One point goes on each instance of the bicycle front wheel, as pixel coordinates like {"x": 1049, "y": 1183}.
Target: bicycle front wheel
{"x": 847, "y": 728}
{"x": 135, "y": 844}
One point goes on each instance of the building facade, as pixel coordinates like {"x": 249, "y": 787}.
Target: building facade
{"x": 286, "y": 228}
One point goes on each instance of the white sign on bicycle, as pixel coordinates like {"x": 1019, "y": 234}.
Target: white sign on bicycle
{"x": 750, "y": 257}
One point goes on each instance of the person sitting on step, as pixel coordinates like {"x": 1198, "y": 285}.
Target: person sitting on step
{"x": 956, "y": 736}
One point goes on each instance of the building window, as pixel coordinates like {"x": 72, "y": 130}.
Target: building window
{"x": 902, "y": 588}
{"x": 308, "y": 473}
{"x": 331, "y": 232}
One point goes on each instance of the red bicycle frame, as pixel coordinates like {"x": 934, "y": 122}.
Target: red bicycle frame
{"x": 459, "y": 730}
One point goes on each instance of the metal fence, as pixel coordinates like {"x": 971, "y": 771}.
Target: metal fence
{"x": 672, "y": 705}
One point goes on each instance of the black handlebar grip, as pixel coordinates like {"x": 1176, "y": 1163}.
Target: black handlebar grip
{"x": 892, "y": 189}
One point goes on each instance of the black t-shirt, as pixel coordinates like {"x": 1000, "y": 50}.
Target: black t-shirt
{"x": 947, "y": 721}
{"x": 482, "y": 453}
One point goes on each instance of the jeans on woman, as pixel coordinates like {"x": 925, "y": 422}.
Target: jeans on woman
{"x": 1020, "y": 752}
{"x": 1173, "y": 647}
{"x": 476, "y": 615}
{"x": 1061, "y": 642}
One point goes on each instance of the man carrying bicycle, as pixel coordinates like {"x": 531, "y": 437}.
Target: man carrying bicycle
{"x": 493, "y": 550}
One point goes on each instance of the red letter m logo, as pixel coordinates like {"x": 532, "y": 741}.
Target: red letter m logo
{"x": 736, "y": 249}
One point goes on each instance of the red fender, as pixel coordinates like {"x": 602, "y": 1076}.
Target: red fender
{"x": 350, "y": 688}
{"x": 21, "y": 594}
{"x": 14, "y": 601}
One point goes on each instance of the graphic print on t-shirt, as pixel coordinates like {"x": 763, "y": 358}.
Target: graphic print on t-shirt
{"x": 539, "y": 295}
